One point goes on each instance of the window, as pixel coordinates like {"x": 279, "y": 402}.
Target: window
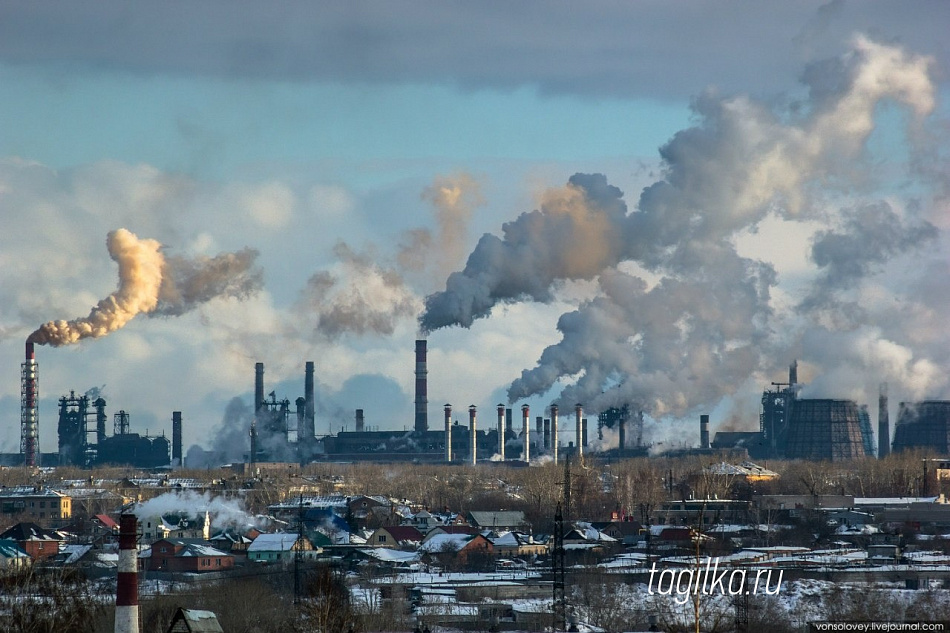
{"x": 42, "y": 504}
{"x": 382, "y": 538}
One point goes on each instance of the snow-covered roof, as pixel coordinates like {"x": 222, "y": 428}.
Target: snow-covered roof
{"x": 444, "y": 542}
{"x": 273, "y": 543}
{"x": 391, "y": 555}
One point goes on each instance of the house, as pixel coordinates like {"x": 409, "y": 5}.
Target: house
{"x": 423, "y": 521}
{"x": 12, "y": 557}
{"x": 627, "y": 532}
{"x": 275, "y": 548}
{"x": 460, "y": 546}
{"x": 194, "y": 621}
{"x": 182, "y": 525}
{"x": 180, "y": 555}
{"x": 451, "y": 529}
{"x": 518, "y": 544}
{"x": 234, "y": 542}
{"x": 36, "y": 504}
{"x": 497, "y": 519}
{"x": 38, "y": 542}
{"x": 395, "y": 536}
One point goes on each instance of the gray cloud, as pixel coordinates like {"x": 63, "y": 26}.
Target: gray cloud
{"x": 649, "y": 48}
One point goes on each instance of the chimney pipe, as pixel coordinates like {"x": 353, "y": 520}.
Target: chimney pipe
{"x": 579, "y": 436}
{"x": 622, "y": 430}
{"x": 526, "y": 433}
{"x": 176, "y": 440}
{"x": 554, "y": 436}
{"x": 359, "y": 421}
{"x": 501, "y": 431}
{"x": 704, "y": 431}
{"x": 422, "y": 401}
{"x": 127, "y": 588}
{"x": 258, "y": 387}
{"x": 309, "y": 429}
{"x": 547, "y": 434}
{"x": 29, "y": 411}
{"x": 448, "y": 432}
{"x": 471, "y": 429}
{"x": 793, "y": 373}
{"x": 883, "y": 424}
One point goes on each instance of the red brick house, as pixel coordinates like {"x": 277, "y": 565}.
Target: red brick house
{"x": 38, "y": 542}
{"x": 181, "y": 555}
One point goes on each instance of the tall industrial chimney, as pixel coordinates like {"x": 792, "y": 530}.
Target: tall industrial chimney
{"x": 554, "y": 435}
{"x": 176, "y": 440}
{"x": 622, "y": 431}
{"x": 100, "y": 405}
{"x": 448, "y": 432}
{"x": 359, "y": 421}
{"x": 422, "y": 401}
{"x": 127, "y": 588}
{"x": 309, "y": 428}
{"x": 546, "y": 434}
{"x": 501, "y": 431}
{"x": 29, "y": 415}
{"x": 883, "y": 424}
{"x": 526, "y": 433}
{"x": 704, "y": 431}
{"x": 258, "y": 387}
{"x": 472, "y": 432}
{"x": 579, "y": 438}
{"x": 793, "y": 373}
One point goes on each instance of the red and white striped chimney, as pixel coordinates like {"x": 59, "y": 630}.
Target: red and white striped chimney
{"x": 501, "y": 431}
{"x": 127, "y": 587}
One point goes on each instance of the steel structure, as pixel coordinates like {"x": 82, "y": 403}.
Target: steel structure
{"x": 29, "y": 414}
{"x": 923, "y": 424}
{"x": 825, "y": 430}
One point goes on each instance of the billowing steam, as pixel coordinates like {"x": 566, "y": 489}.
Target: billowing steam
{"x": 707, "y": 319}
{"x": 222, "y": 512}
{"x": 151, "y": 284}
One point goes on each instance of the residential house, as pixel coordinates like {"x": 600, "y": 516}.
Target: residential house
{"x": 36, "y": 504}
{"x": 395, "y": 536}
{"x": 518, "y": 544}
{"x": 461, "y": 547}
{"x": 451, "y": 529}
{"x": 277, "y": 548}
{"x": 627, "y": 532}
{"x": 38, "y": 542}
{"x": 12, "y": 556}
{"x": 181, "y": 555}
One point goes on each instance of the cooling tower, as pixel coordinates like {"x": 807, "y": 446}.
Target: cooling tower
{"x": 825, "y": 430}
{"x": 923, "y": 425}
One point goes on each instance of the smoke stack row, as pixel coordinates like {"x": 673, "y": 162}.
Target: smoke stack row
{"x": 29, "y": 416}
{"x": 127, "y": 588}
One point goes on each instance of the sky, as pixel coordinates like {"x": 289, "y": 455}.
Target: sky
{"x": 656, "y": 203}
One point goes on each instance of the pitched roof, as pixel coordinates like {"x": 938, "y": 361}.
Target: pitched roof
{"x": 197, "y": 621}
{"x": 31, "y": 532}
{"x": 283, "y": 542}
{"x": 9, "y": 549}
{"x": 499, "y": 518}
{"x": 403, "y": 532}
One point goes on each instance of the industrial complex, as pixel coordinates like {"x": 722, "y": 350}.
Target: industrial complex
{"x": 790, "y": 427}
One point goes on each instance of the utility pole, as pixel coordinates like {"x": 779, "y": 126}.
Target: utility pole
{"x": 557, "y": 567}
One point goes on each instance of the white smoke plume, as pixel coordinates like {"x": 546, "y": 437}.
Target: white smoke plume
{"x": 223, "y": 512}
{"x": 150, "y": 283}
{"x": 707, "y": 320}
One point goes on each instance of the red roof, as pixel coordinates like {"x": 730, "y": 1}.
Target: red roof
{"x": 107, "y": 521}
{"x": 404, "y": 533}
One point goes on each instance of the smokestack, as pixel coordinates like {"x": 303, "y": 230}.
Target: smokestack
{"x": 622, "y": 430}
{"x": 508, "y": 425}
{"x": 253, "y": 456}
{"x": 29, "y": 413}
{"x": 883, "y": 424}
{"x": 471, "y": 430}
{"x": 309, "y": 404}
{"x": 501, "y": 431}
{"x": 448, "y": 432}
{"x": 554, "y": 437}
{"x": 579, "y": 436}
{"x": 793, "y": 373}
{"x": 546, "y": 436}
{"x": 584, "y": 435}
{"x": 538, "y": 421}
{"x": 258, "y": 387}
{"x": 359, "y": 420}
{"x": 100, "y": 405}
{"x": 704, "y": 431}
{"x": 422, "y": 402}
{"x": 526, "y": 433}
{"x": 127, "y": 588}
{"x": 176, "y": 439}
